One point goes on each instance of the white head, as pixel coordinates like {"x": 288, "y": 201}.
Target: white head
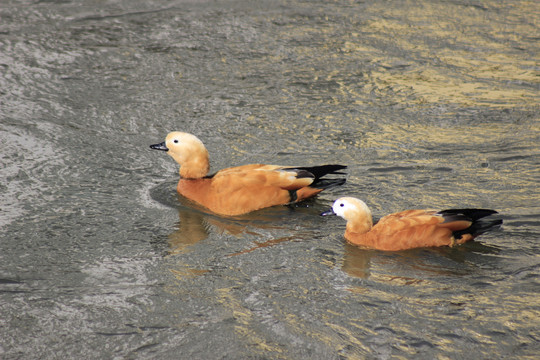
{"x": 355, "y": 211}
{"x": 188, "y": 151}
{"x": 347, "y": 207}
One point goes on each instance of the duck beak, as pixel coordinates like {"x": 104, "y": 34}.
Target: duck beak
{"x": 329, "y": 212}
{"x": 160, "y": 146}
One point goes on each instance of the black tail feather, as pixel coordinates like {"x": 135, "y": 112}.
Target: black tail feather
{"x": 472, "y": 214}
{"x": 328, "y": 183}
{"x": 479, "y": 224}
{"x": 320, "y": 171}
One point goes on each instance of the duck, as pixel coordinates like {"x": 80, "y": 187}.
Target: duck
{"x": 246, "y": 188}
{"x": 411, "y": 229}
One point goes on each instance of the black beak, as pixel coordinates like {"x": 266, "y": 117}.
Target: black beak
{"x": 329, "y": 212}
{"x": 160, "y": 146}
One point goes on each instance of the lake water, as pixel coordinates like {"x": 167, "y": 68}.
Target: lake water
{"x": 430, "y": 104}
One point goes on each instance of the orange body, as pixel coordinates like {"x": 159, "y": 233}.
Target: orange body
{"x": 246, "y": 188}
{"x": 410, "y": 229}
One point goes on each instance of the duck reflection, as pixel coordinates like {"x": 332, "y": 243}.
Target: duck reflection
{"x": 196, "y": 224}
{"x": 192, "y": 228}
{"x": 356, "y": 261}
{"x": 359, "y": 262}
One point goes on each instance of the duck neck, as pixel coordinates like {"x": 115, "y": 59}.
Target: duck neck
{"x": 360, "y": 225}
{"x": 195, "y": 167}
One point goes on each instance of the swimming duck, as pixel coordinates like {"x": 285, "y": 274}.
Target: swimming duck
{"x": 242, "y": 189}
{"x": 411, "y": 228}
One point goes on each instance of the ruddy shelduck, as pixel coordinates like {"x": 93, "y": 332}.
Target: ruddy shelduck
{"x": 242, "y": 189}
{"x": 411, "y": 228}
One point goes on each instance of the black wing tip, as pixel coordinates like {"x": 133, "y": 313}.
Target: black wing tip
{"x": 479, "y": 227}
{"x": 301, "y": 173}
{"x": 478, "y": 217}
{"x": 472, "y": 214}
{"x": 332, "y": 168}
{"x": 322, "y": 170}
{"x": 328, "y": 183}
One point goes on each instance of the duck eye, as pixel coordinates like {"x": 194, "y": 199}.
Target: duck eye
{"x": 342, "y": 204}
{"x": 175, "y": 141}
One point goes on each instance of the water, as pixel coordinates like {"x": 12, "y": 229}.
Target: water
{"x": 431, "y": 104}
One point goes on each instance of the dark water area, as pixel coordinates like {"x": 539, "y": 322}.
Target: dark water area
{"x": 430, "y": 103}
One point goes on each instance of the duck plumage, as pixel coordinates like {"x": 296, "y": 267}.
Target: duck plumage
{"x": 411, "y": 228}
{"x": 242, "y": 189}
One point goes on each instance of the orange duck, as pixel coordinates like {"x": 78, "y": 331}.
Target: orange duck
{"x": 411, "y": 228}
{"x": 242, "y": 189}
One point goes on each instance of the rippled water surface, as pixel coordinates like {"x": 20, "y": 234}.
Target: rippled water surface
{"x": 430, "y": 104}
